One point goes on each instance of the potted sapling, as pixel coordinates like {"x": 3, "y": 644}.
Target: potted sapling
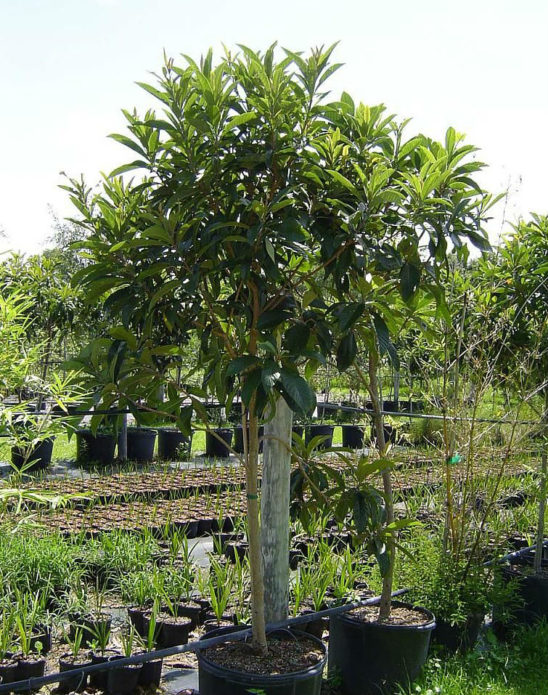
{"x": 29, "y": 664}
{"x": 151, "y": 673}
{"x": 124, "y": 679}
{"x": 74, "y": 659}
{"x": 100, "y": 653}
{"x": 8, "y": 664}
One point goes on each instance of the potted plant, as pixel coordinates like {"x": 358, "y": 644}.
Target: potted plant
{"x": 124, "y": 679}
{"x": 140, "y": 444}
{"x": 268, "y": 289}
{"x": 151, "y": 672}
{"x": 74, "y": 659}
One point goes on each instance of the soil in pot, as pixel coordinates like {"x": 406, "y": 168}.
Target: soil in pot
{"x": 140, "y": 444}
{"x": 294, "y": 664}
{"x": 173, "y": 445}
{"x": 95, "y": 448}
{"x": 373, "y": 657}
{"x": 320, "y": 431}
{"x": 77, "y": 683}
{"x": 39, "y": 458}
{"x": 123, "y": 680}
{"x": 216, "y": 448}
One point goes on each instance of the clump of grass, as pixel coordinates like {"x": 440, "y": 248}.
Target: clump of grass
{"x": 516, "y": 668}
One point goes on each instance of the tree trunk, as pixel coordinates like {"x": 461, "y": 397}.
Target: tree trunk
{"x": 541, "y": 511}
{"x": 251, "y": 455}
{"x": 388, "y": 579}
{"x": 122, "y": 439}
{"x": 275, "y": 510}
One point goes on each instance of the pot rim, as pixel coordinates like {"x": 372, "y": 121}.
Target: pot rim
{"x": 430, "y": 623}
{"x": 258, "y": 678}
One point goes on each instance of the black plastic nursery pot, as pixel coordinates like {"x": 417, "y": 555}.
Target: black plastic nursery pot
{"x": 95, "y": 448}
{"x": 173, "y": 445}
{"x": 460, "y": 637}
{"x": 99, "y": 679}
{"x": 78, "y": 682}
{"x": 352, "y": 436}
{"x": 320, "y": 431}
{"x": 216, "y": 448}
{"x": 389, "y": 433}
{"x": 218, "y": 680}
{"x": 531, "y": 595}
{"x": 239, "y": 439}
{"x": 298, "y": 430}
{"x": 8, "y": 669}
{"x": 151, "y": 673}
{"x": 29, "y": 667}
{"x": 39, "y": 458}
{"x": 123, "y": 680}
{"x": 374, "y": 658}
{"x": 140, "y": 444}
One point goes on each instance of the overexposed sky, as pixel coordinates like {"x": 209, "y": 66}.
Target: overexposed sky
{"x": 67, "y": 67}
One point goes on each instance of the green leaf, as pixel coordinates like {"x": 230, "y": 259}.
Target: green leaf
{"x": 301, "y": 397}
{"x": 239, "y": 120}
{"x": 410, "y": 276}
{"x": 271, "y": 319}
{"x": 296, "y": 338}
{"x": 241, "y": 364}
{"x": 347, "y": 351}
{"x": 343, "y": 181}
{"x": 121, "y": 333}
{"x": 385, "y": 344}
{"x": 348, "y": 314}
{"x": 270, "y": 375}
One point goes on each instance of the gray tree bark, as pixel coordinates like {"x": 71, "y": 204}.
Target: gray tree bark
{"x": 275, "y": 512}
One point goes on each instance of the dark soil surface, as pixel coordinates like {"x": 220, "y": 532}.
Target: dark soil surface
{"x": 284, "y": 656}
{"x": 400, "y": 615}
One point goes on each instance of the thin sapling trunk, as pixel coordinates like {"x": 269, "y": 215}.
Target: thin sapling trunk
{"x": 388, "y": 578}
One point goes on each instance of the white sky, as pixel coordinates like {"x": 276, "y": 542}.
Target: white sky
{"x": 67, "y": 67}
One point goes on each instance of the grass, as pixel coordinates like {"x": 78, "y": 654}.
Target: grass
{"x": 519, "y": 668}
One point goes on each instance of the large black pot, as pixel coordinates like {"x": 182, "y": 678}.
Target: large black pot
{"x": 389, "y": 433}
{"x": 216, "y": 448}
{"x": 239, "y": 439}
{"x": 140, "y": 444}
{"x": 460, "y": 637}
{"x": 320, "y": 431}
{"x": 531, "y": 598}
{"x": 298, "y": 430}
{"x": 39, "y": 458}
{"x": 373, "y": 658}
{"x": 173, "y": 445}
{"x": 216, "y": 680}
{"x": 98, "y": 448}
{"x": 352, "y": 436}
